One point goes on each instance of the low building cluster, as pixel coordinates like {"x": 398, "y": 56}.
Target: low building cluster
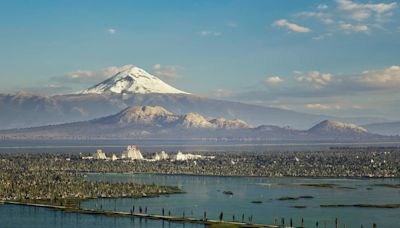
{"x": 335, "y": 162}
{"x": 131, "y": 153}
{"x": 184, "y": 157}
{"x": 134, "y": 154}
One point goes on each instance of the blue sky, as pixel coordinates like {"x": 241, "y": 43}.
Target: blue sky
{"x": 336, "y": 57}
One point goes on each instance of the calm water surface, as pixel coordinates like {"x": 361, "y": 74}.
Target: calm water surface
{"x": 13, "y": 216}
{"x": 206, "y": 194}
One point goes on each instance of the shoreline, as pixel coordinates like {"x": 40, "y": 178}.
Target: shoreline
{"x": 75, "y": 202}
{"x": 248, "y": 176}
{"x": 149, "y": 143}
{"x": 139, "y": 215}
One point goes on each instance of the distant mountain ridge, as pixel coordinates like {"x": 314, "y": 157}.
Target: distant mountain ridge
{"x": 330, "y": 126}
{"x": 147, "y": 122}
{"x": 160, "y": 117}
{"x": 386, "y": 128}
{"x": 133, "y": 86}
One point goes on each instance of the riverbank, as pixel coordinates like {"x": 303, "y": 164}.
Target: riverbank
{"x": 209, "y": 223}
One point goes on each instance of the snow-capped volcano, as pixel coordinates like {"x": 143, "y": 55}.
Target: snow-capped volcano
{"x": 133, "y": 80}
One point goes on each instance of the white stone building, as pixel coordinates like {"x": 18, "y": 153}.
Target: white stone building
{"x": 160, "y": 156}
{"x": 99, "y": 155}
{"x": 183, "y": 157}
{"x": 132, "y": 153}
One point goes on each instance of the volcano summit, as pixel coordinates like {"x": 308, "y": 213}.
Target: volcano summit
{"x": 132, "y": 80}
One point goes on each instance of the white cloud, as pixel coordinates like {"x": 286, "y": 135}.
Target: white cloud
{"x": 318, "y": 106}
{"x": 323, "y": 17}
{"x": 48, "y": 89}
{"x": 291, "y": 26}
{"x": 232, "y": 25}
{"x": 322, "y": 36}
{"x": 333, "y": 106}
{"x": 316, "y": 79}
{"x": 388, "y": 77}
{"x": 378, "y": 7}
{"x": 209, "y": 33}
{"x": 322, "y": 7}
{"x": 354, "y": 28}
{"x": 111, "y": 30}
{"x": 382, "y": 79}
{"x": 90, "y": 76}
{"x": 168, "y": 73}
{"x": 360, "y": 15}
{"x": 343, "y": 94}
{"x": 273, "y": 80}
{"x": 282, "y": 106}
{"x": 357, "y": 107}
{"x": 362, "y": 11}
{"x": 347, "y": 16}
{"x": 223, "y": 93}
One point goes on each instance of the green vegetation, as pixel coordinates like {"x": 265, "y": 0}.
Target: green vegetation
{"x": 257, "y": 201}
{"x": 313, "y": 185}
{"x": 228, "y": 192}
{"x": 325, "y": 185}
{"x": 390, "y": 206}
{"x": 299, "y": 206}
{"x": 51, "y": 180}
{"x": 397, "y": 186}
{"x": 223, "y": 225}
{"x": 322, "y": 185}
{"x": 332, "y": 163}
{"x": 295, "y": 197}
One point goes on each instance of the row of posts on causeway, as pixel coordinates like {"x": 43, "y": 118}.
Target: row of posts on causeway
{"x": 245, "y": 219}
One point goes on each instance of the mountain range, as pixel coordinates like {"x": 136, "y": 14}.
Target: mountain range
{"x": 133, "y": 86}
{"x": 387, "y": 128}
{"x": 147, "y": 122}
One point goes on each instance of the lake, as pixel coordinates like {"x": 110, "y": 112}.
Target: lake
{"x": 205, "y": 193}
